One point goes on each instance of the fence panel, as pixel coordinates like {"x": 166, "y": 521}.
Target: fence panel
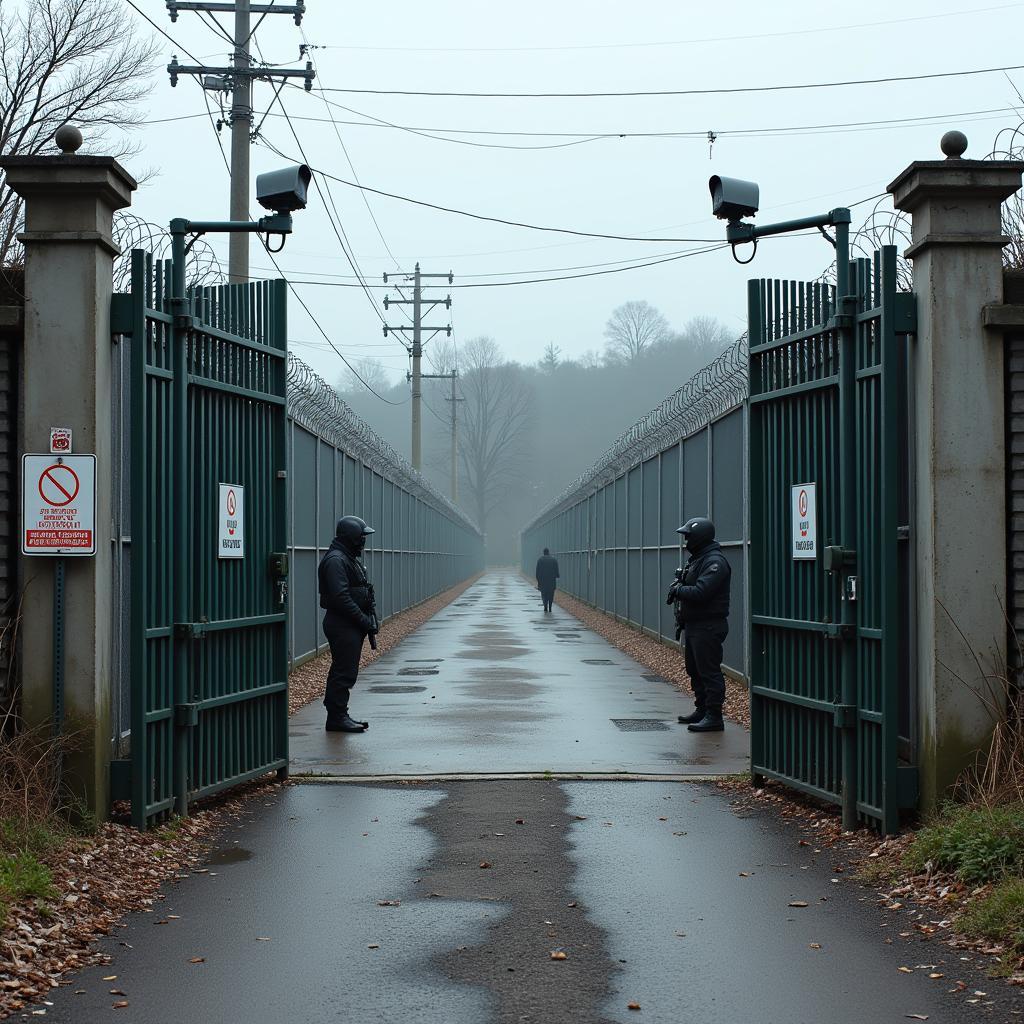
{"x": 683, "y": 459}
{"x": 423, "y": 544}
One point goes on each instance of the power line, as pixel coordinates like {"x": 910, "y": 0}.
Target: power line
{"x": 720, "y": 90}
{"x": 480, "y": 216}
{"x": 291, "y": 287}
{"x": 670, "y": 42}
{"x": 166, "y": 35}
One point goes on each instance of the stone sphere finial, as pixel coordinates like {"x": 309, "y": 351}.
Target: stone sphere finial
{"x": 954, "y": 145}
{"x": 68, "y": 138}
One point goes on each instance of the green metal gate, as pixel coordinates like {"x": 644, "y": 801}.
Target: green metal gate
{"x": 826, "y": 671}
{"x": 209, "y": 660}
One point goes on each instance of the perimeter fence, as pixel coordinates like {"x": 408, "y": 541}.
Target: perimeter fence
{"x": 339, "y": 466}
{"x": 613, "y": 529}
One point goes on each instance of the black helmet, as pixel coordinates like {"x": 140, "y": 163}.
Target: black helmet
{"x": 352, "y": 531}
{"x": 698, "y": 533}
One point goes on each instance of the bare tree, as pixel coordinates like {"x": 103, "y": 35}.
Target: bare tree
{"x": 371, "y": 372}
{"x": 633, "y": 329}
{"x": 706, "y": 335}
{"x": 494, "y": 425}
{"x": 442, "y": 356}
{"x": 552, "y": 358}
{"x": 76, "y": 61}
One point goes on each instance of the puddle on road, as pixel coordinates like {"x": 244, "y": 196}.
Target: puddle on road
{"x": 230, "y": 855}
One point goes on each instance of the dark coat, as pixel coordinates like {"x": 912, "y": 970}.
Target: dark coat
{"x": 344, "y": 586}
{"x": 547, "y": 572}
{"x": 703, "y": 593}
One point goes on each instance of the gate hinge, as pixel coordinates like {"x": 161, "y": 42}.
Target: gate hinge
{"x": 122, "y": 314}
{"x": 190, "y": 630}
{"x": 845, "y": 716}
{"x": 840, "y": 320}
{"x": 186, "y": 716}
{"x": 839, "y": 630}
{"x": 905, "y": 313}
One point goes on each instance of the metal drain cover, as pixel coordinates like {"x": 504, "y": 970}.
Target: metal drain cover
{"x": 639, "y": 725}
{"x": 598, "y": 661}
{"x": 418, "y": 671}
{"x": 397, "y": 689}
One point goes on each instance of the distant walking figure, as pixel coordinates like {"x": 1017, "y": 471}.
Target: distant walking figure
{"x": 547, "y": 573}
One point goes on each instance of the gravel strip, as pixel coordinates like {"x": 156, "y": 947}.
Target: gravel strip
{"x": 306, "y": 683}
{"x": 653, "y": 654}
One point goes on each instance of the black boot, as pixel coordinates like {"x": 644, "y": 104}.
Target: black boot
{"x": 346, "y": 724}
{"x": 696, "y": 715}
{"x": 711, "y": 722}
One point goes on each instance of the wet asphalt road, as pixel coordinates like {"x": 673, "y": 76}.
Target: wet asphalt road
{"x": 442, "y": 901}
{"x": 494, "y": 685}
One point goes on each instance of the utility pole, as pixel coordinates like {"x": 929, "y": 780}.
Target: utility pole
{"x": 415, "y": 350}
{"x": 455, "y": 439}
{"x": 237, "y": 79}
{"x": 241, "y": 131}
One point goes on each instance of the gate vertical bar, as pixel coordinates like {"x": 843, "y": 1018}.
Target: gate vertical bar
{"x": 892, "y": 445}
{"x": 846, "y": 313}
{"x": 282, "y": 470}
{"x": 179, "y": 419}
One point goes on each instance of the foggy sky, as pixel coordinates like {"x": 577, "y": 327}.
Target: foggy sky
{"x": 618, "y": 186}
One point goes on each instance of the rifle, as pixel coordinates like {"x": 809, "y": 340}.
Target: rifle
{"x": 374, "y": 621}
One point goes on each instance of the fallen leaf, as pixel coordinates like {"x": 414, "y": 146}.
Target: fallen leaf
{"x": 632, "y": 1006}
{"x": 373, "y": 945}
{"x": 916, "y": 1016}
{"x": 389, "y": 903}
{"x": 117, "y": 992}
{"x": 520, "y": 821}
{"x": 121, "y": 1004}
{"x": 936, "y": 974}
{"x": 744, "y": 874}
{"x": 573, "y": 904}
{"x": 559, "y": 954}
{"x": 262, "y": 938}
{"x": 905, "y": 970}
{"x": 798, "y": 903}
{"x": 198, "y": 960}
{"x": 485, "y": 863}
{"x": 110, "y": 977}
{"x": 661, "y": 819}
{"x": 815, "y": 945}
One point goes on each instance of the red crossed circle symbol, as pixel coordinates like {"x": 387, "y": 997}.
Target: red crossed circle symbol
{"x": 231, "y": 503}
{"x": 803, "y": 503}
{"x": 58, "y": 485}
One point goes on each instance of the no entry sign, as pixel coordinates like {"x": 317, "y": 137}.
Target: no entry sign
{"x": 805, "y": 521}
{"x": 58, "y": 505}
{"x": 231, "y": 522}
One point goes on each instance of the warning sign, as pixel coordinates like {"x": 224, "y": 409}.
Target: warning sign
{"x": 60, "y": 440}
{"x": 805, "y": 521}
{"x": 58, "y": 504}
{"x": 231, "y": 522}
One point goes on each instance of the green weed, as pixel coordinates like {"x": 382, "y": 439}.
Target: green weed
{"x": 978, "y": 844}
{"x": 999, "y": 916}
{"x": 22, "y": 876}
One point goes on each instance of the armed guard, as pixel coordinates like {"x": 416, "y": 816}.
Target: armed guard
{"x": 700, "y": 594}
{"x": 347, "y": 597}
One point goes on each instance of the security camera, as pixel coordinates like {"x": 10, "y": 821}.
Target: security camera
{"x": 732, "y": 198}
{"x": 284, "y": 190}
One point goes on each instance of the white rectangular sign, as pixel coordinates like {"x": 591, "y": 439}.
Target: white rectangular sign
{"x": 231, "y": 521}
{"x": 805, "y": 521}
{"x": 58, "y": 505}
{"x": 60, "y": 440}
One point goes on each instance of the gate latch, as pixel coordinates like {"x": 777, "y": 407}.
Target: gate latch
{"x": 850, "y": 590}
{"x": 835, "y": 558}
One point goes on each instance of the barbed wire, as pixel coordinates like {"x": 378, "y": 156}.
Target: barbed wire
{"x": 711, "y": 392}
{"x": 315, "y": 405}
{"x": 202, "y": 267}
{"x": 1009, "y": 145}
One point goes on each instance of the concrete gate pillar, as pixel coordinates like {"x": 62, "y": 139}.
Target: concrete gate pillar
{"x": 956, "y": 384}
{"x": 69, "y": 205}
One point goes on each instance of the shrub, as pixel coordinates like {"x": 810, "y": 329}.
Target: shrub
{"x": 999, "y": 916}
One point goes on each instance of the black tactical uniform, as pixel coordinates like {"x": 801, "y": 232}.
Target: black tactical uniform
{"x": 347, "y": 597}
{"x": 547, "y": 574}
{"x": 701, "y": 599}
